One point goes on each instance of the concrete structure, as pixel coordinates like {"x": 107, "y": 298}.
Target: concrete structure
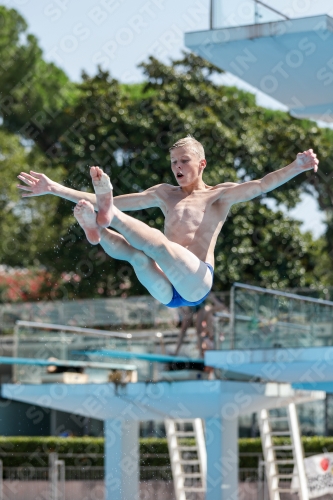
{"x": 290, "y": 60}
{"x": 310, "y": 366}
{"x": 219, "y": 403}
{"x": 267, "y": 374}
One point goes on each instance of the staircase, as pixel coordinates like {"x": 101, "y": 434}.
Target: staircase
{"x": 188, "y": 461}
{"x": 277, "y": 457}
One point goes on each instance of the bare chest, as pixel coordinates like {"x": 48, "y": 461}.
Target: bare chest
{"x": 189, "y": 214}
{"x": 187, "y": 211}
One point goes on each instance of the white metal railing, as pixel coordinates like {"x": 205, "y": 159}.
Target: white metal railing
{"x": 223, "y": 12}
{"x": 188, "y": 461}
{"x": 56, "y": 345}
{"x": 45, "y": 344}
{"x": 72, "y": 329}
{"x": 257, "y": 15}
{"x": 279, "y": 479}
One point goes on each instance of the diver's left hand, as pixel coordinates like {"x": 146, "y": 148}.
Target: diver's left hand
{"x": 307, "y": 160}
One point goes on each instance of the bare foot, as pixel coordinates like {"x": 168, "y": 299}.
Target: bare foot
{"x": 103, "y": 191}
{"x": 85, "y": 215}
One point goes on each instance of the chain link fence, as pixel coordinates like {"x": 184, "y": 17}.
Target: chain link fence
{"x": 72, "y": 482}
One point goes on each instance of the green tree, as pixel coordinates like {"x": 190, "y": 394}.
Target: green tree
{"x": 27, "y": 229}
{"x": 32, "y": 91}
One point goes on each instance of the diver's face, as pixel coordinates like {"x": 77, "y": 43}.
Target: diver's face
{"x": 185, "y": 165}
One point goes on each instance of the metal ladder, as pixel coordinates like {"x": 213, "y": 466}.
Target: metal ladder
{"x": 270, "y": 426}
{"x": 188, "y": 462}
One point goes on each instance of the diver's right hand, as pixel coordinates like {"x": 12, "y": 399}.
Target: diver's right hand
{"x": 35, "y": 184}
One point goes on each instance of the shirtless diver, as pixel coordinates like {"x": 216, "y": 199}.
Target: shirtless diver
{"x": 176, "y": 267}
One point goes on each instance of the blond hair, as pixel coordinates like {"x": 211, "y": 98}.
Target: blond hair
{"x": 192, "y": 144}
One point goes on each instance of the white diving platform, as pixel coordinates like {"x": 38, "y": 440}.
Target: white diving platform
{"x": 311, "y": 366}
{"x": 290, "y": 60}
{"x": 219, "y": 403}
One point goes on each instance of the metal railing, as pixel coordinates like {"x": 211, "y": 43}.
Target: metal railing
{"x": 259, "y": 3}
{"x": 96, "y": 473}
{"x": 92, "y": 348}
{"x": 261, "y": 12}
{"x": 266, "y": 318}
{"x": 25, "y": 473}
{"x": 130, "y": 312}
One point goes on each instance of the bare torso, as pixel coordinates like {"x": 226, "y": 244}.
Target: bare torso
{"x": 194, "y": 221}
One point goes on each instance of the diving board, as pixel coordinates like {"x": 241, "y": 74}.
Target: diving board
{"x": 291, "y": 365}
{"x": 153, "y": 358}
{"x": 65, "y": 363}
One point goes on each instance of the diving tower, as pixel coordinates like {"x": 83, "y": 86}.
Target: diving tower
{"x": 275, "y": 345}
{"x": 121, "y": 407}
{"x": 288, "y": 59}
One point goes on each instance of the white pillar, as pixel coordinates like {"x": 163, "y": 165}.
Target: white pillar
{"x": 217, "y": 14}
{"x": 222, "y": 458}
{"x": 121, "y": 460}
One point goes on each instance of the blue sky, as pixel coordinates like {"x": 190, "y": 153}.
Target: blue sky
{"x": 119, "y": 34}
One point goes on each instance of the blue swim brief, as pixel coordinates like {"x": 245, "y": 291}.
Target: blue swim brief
{"x": 178, "y": 301}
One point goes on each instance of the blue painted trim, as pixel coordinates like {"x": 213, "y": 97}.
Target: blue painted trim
{"x": 158, "y": 358}
{"x": 69, "y": 363}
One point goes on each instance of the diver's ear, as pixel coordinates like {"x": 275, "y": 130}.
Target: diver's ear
{"x": 203, "y": 164}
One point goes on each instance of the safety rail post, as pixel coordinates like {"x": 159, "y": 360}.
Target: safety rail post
{"x": 256, "y": 12}
{"x": 60, "y": 465}
{"x": 56, "y": 477}
{"x": 53, "y": 475}
{"x": 261, "y": 481}
{"x": 15, "y": 352}
{"x": 298, "y": 451}
{"x": 232, "y": 317}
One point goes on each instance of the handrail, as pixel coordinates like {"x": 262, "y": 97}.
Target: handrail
{"x": 90, "y": 331}
{"x": 211, "y": 12}
{"x": 74, "y": 329}
{"x": 269, "y": 291}
{"x": 272, "y": 9}
{"x": 284, "y": 294}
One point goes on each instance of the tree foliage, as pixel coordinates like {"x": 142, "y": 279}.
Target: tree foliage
{"x": 32, "y": 91}
{"x": 127, "y": 130}
{"x": 26, "y": 229}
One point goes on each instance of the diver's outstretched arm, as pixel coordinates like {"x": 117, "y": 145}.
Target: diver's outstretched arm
{"x": 37, "y": 184}
{"x": 251, "y": 189}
